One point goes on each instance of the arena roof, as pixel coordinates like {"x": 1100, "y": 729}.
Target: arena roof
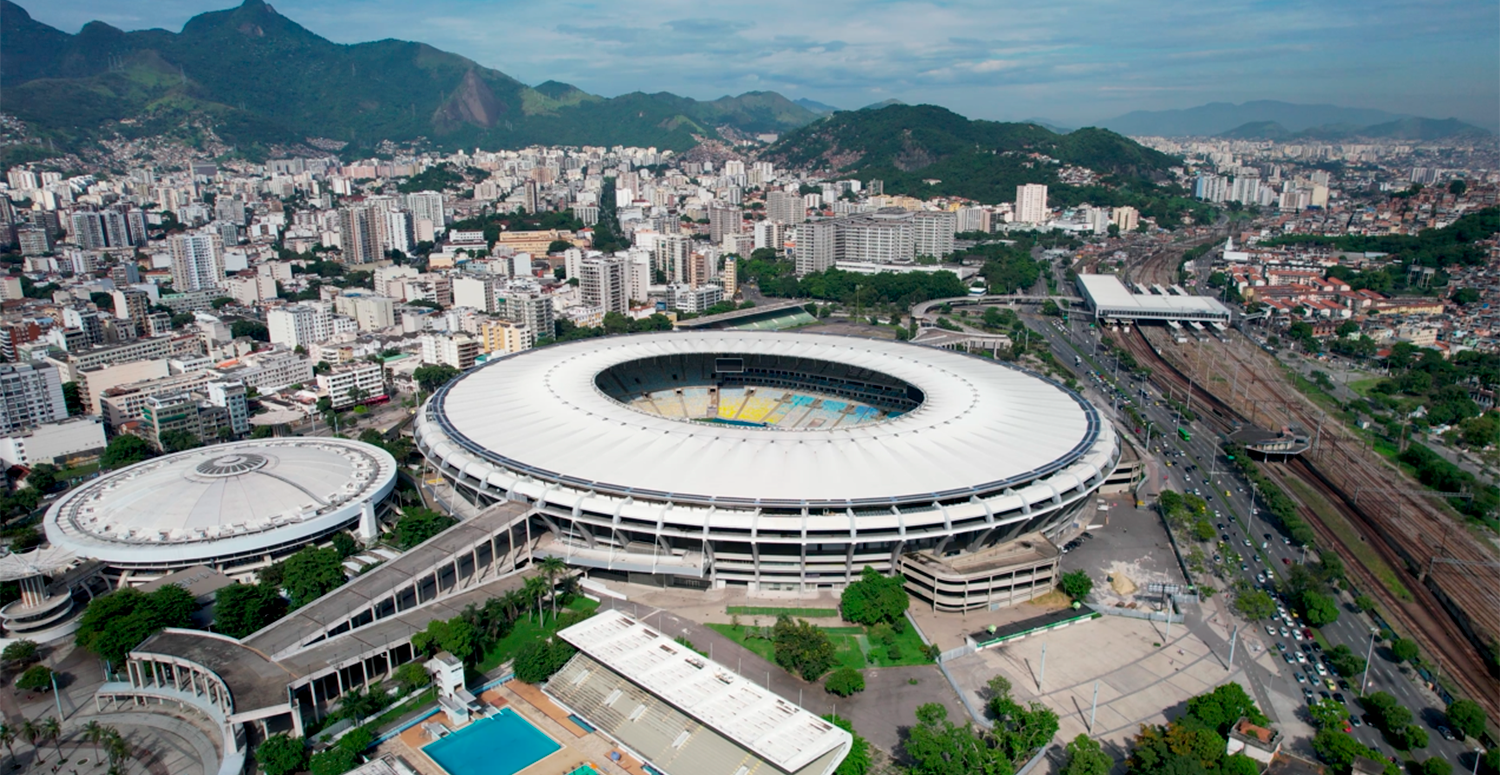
{"x": 982, "y": 425}
{"x": 221, "y": 500}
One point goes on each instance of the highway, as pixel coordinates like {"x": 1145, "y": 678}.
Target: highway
{"x": 1198, "y": 465}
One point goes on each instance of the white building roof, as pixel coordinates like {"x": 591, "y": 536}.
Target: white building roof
{"x": 981, "y": 425}
{"x": 1110, "y": 298}
{"x": 221, "y": 500}
{"x": 771, "y": 727}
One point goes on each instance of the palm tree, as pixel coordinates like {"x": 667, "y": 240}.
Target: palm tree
{"x": 8, "y": 739}
{"x": 52, "y": 730}
{"x": 552, "y": 567}
{"x": 32, "y": 732}
{"x": 118, "y": 750}
{"x": 534, "y": 588}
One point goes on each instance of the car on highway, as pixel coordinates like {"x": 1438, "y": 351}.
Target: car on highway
{"x": 1446, "y": 733}
{"x": 1301, "y": 679}
{"x": 1285, "y": 633}
{"x": 1354, "y": 720}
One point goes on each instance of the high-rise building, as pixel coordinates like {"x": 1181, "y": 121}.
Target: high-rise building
{"x": 973, "y": 219}
{"x": 358, "y": 237}
{"x": 721, "y": 221}
{"x": 197, "y": 262}
{"x": 505, "y": 336}
{"x": 299, "y": 324}
{"x": 770, "y": 234}
{"x": 673, "y": 252}
{"x": 88, "y": 230}
{"x": 426, "y": 206}
{"x": 476, "y": 291}
{"x": 932, "y": 233}
{"x": 785, "y": 207}
{"x": 603, "y": 284}
{"x": 817, "y": 246}
{"x": 1210, "y": 188}
{"x": 30, "y": 394}
{"x": 532, "y": 310}
{"x": 34, "y": 240}
{"x": 729, "y": 278}
{"x": 1245, "y": 189}
{"x": 1126, "y": 218}
{"x": 135, "y": 306}
{"x": 1031, "y": 203}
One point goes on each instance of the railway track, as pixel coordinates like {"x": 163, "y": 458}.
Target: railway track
{"x": 1440, "y": 620}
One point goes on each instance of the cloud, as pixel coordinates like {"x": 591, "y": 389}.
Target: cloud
{"x": 1080, "y": 60}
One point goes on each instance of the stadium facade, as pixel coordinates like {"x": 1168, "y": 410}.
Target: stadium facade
{"x": 776, "y": 461}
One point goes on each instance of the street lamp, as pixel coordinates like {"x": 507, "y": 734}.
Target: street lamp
{"x": 1364, "y": 682}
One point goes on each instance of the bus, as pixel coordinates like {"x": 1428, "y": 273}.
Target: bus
{"x": 1183, "y": 432}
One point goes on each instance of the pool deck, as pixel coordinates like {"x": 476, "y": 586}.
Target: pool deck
{"x": 578, "y": 747}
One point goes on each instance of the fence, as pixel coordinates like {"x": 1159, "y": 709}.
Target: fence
{"x": 1136, "y": 613}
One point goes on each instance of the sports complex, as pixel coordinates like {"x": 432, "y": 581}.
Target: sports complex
{"x": 779, "y": 461}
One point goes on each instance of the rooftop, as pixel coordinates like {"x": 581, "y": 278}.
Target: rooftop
{"x": 254, "y": 681}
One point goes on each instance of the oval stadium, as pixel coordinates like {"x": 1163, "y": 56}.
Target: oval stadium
{"x": 781, "y": 461}
{"x": 234, "y": 507}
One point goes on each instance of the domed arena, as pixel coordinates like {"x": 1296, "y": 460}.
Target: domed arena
{"x": 233, "y": 507}
{"x": 782, "y": 461}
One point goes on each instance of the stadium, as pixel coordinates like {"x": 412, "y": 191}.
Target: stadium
{"x": 233, "y": 507}
{"x": 779, "y": 461}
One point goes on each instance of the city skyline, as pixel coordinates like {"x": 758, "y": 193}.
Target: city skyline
{"x": 1076, "y": 64}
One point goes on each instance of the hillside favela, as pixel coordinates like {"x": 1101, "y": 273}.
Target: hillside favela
{"x": 929, "y": 388}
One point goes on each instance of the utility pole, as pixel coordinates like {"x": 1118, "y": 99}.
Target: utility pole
{"x": 1094, "y": 708}
{"x": 1042, "y": 674}
{"x": 1233, "y": 640}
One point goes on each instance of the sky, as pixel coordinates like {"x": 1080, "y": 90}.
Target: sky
{"x": 1069, "y": 61}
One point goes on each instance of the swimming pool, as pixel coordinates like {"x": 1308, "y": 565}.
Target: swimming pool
{"x": 502, "y": 744}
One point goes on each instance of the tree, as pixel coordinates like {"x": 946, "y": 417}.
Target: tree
{"x": 844, "y": 682}
{"x": 412, "y": 676}
{"x": 115, "y": 623}
{"x": 221, "y": 302}
{"x": 240, "y": 609}
{"x": 1464, "y": 715}
{"x": 802, "y": 648}
{"x": 418, "y": 524}
{"x": 1410, "y": 738}
{"x": 36, "y": 678}
{"x": 1255, "y": 605}
{"x": 1364, "y": 603}
{"x": 552, "y": 568}
{"x": 281, "y": 755}
{"x": 1328, "y": 713}
{"x": 20, "y": 652}
{"x": 874, "y": 598}
{"x": 311, "y": 573}
{"x": 1436, "y": 765}
{"x": 124, "y": 450}
{"x": 345, "y": 545}
{"x": 1320, "y": 609}
{"x": 857, "y": 761}
{"x": 558, "y": 246}
{"x": 177, "y": 440}
{"x": 359, "y": 704}
{"x": 1404, "y": 649}
{"x": 1457, "y": 188}
{"x": 1220, "y": 708}
{"x": 43, "y": 477}
{"x": 252, "y": 328}
{"x": 1085, "y": 756}
{"x": 73, "y": 398}
{"x": 1076, "y": 584}
{"x": 1344, "y": 661}
{"x": 455, "y": 636}
{"x": 432, "y": 377}
{"x": 334, "y": 761}
{"x": 537, "y": 660}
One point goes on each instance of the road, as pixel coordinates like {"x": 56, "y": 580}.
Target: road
{"x": 1195, "y": 464}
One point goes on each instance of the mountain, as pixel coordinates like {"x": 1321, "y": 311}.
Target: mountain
{"x": 1257, "y": 130}
{"x": 820, "y": 108}
{"x": 906, "y": 145}
{"x": 259, "y": 78}
{"x": 883, "y": 104}
{"x": 1415, "y": 129}
{"x": 1219, "y": 117}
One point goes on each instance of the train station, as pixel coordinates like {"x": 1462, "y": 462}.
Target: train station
{"x": 1114, "y": 302}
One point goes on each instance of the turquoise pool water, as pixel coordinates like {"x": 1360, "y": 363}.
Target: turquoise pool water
{"x": 503, "y": 744}
{"x": 584, "y": 770}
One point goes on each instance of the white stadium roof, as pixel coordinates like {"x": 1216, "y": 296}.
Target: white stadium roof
{"x": 982, "y": 424}
{"x": 221, "y": 500}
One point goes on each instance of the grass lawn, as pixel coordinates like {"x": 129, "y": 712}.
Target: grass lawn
{"x": 1350, "y": 538}
{"x": 852, "y": 643}
{"x": 526, "y": 630}
{"x": 803, "y": 613}
{"x": 1364, "y": 386}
